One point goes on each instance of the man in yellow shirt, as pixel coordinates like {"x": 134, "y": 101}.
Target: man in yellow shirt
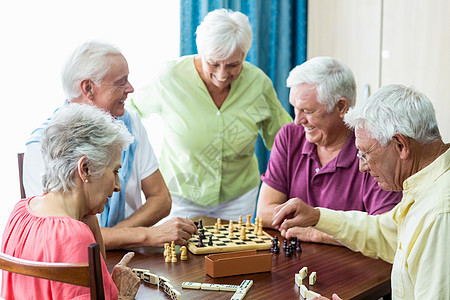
{"x": 400, "y": 146}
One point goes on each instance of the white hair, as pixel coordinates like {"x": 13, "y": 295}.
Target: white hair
{"x": 222, "y": 32}
{"x": 395, "y": 108}
{"x": 78, "y": 130}
{"x": 89, "y": 61}
{"x": 332, "y": 79}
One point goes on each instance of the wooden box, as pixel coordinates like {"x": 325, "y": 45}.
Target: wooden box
{"x": 236, "y": 263}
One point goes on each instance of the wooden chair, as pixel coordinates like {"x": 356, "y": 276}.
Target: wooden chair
{"x": 88, "y": 274}
{"x": 20, "y": 162}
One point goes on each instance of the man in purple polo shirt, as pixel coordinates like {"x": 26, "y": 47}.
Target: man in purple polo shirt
{"x": 314, "y": 158}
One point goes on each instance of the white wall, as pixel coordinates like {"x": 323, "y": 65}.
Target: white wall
{"x": 35, "y": 39}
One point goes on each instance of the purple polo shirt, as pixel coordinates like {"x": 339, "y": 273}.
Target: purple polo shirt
{"x": 294, "y": 169}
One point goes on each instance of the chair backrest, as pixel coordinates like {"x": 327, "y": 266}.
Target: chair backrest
{"x": 82, "y": 274}
{"x": 20, "y": 162}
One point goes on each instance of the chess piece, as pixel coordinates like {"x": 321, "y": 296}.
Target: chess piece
{"x": 169, "y": 255}
{"x": 243, "y": 234}
{"x": 200, "y": 224}
{"x": 276, "y": 248}
{"x": 249, "y": 223}
{"x": 166, "y": 249}
{"x": 201, "y": 233}
{"x": 299, "y": 247}
{"x": 255, "y": 230}
{"x": 183, "y": 253}
{"x": 210, "y": 242}
{"x": 174, "y": 256}
{"x": 216, "y": 228}
{"x": 230, "y": 234}
{"x": 200, "y": 242}
{"x": 240, "y": 222}
{"x": 230, "y": 226}
{"x": 288, "y": 252}
{"x": 260, "y": 227}
{"x": 219, "y": 223}
{"x": 285, "y": 245}
{"x": 293, "y": 244}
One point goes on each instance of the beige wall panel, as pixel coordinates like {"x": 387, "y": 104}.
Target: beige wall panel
{"x": 349, "y": 30}
{"x": 416, "y": 51}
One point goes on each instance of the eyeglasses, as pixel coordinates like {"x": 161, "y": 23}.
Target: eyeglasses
{"x": 362, "y": 156}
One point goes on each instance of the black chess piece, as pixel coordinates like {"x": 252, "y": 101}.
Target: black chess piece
{"x": 285, "y": 245}
{"x": 299, "y": 247}
{"x": 288, "y": 252}
{"x": 210, "y": 242}
{"x": 293, "y": 244}
{"x": 201, "y": 233}
{"x": 200, "y": 224}
{"x": 276, "y": 250}
{"x": 200, "y": 242}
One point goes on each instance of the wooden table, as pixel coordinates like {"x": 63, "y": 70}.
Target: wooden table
{"x": 339, "y": 270}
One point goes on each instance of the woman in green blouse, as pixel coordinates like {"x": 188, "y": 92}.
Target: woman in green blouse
{"x": 213, "y": 105}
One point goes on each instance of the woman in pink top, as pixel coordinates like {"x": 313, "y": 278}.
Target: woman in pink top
{"x": 81, "y": 149}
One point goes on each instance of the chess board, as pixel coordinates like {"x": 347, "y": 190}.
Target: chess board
{"x": 222, "y": 243}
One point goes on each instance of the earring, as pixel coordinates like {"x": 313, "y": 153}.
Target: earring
{"x": 86, "y": 180}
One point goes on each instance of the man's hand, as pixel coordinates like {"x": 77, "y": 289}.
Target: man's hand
{"x": 177, "y": 229}
{"x": 126, "y": 281}
{"x": 294, "y": 213}
{"x": 309, "y": 234}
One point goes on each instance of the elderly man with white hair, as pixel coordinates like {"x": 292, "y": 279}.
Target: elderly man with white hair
{"x": 314, "y": 157}
{"x": 97, "y": 74}
{"x": 400, "y": 146}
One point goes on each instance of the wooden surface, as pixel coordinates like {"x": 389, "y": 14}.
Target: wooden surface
{"x": 339, "y": 270}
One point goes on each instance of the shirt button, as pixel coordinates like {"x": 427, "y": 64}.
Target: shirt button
{"x": 219, "y": 136}
{"x": 218, "y": 158}
{"x": 218, "y": 113}
{"x": 317, "y": 170}
{"x": 217, "y": 176}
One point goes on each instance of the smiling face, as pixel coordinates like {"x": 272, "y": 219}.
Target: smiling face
{"x": 115, "y": 87}
{"x": 99, "y": 189}
{"x": 382, "y": 162}
{"x": 221, "y": 73}
{"x": 321, "y": 127}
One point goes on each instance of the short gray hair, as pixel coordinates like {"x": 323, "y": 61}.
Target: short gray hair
{"x": 222, "y": 32}
{"x": 332, "y": 79}
{"x": 89, "y": 61}
{"x": 74, "y": 131}
{"x": 396, "y": 108}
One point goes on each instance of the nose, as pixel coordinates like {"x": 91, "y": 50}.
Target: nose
{"x": 129, "y": 88}
{"x": 299, "y": 117}
{"x": 222, "y": 72}
{"x": 117, "y": 186}
{"x": 363, "y": 166}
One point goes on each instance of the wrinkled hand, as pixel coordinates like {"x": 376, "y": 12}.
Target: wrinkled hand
{"x": 126, "y": 281}
{"x": 333, "y": 297}
{"x": 304, "y": 234}
{"x": 177, "y": 229}
{"x": 292, "y": 213}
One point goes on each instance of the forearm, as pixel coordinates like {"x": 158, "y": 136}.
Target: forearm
{"x": 154, "y": 209}
{"x": 125, "y": 237}
{"x": 266, "y": 213}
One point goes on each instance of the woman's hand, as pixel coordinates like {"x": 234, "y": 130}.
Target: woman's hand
{"x": 126, "y": 281}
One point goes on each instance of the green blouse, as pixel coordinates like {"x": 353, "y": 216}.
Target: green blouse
{"x": 208, "y": 154}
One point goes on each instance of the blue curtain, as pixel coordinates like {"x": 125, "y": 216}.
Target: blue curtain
{"x": 279, "y": 40}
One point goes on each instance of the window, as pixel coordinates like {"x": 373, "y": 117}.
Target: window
{"x": 37, "y": 36}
